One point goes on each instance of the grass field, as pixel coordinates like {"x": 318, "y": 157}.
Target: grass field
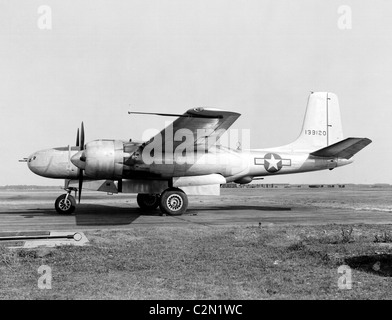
{"x": 208, "y": 262}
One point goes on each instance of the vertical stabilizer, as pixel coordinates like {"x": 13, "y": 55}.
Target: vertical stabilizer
{"x": 322, "y": 124}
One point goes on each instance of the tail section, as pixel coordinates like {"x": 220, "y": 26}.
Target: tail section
{"x": 322, "y": 134}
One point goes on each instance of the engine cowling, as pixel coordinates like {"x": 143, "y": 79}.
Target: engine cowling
{"x": 104, "y": 159}
{"x": 244, "y": 180}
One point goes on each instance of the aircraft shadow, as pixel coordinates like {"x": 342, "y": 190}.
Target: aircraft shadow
{"x": 380, "y": 264}
{"x": 98, "y": 215}
{"x": 38, "y": 212}
{"x": 93, "y": 215}
{"x": 104, "y": 215}
{"x": 238, "y": 208}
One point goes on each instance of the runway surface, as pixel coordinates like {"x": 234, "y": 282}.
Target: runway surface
{"x": 22, "y": 211}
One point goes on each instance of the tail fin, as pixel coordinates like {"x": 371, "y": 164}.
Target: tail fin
{"x": 344, "y": 149}
{"x": 322, "y": 124}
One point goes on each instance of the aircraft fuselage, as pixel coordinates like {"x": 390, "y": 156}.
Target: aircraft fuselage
{"x": 233, "y": 165}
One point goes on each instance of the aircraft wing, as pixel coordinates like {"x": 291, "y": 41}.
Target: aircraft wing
{"x": 199, "y": 126}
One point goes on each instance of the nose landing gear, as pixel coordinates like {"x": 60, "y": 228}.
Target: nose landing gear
{"x": 65, "y": 204}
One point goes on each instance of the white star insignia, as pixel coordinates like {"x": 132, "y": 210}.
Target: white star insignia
{"x": 273, "y": 163}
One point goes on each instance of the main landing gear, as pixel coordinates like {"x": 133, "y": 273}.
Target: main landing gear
{"x": 148, "y": 202}
{"x": 172, "y": 201}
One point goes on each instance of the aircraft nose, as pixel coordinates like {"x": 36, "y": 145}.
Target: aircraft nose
{"x": 32, "y": 163}
{"x": 52, "y": 163}
{"x": 39, "y": 162}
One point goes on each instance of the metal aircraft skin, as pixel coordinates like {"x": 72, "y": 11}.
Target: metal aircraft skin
{"x": 163, "y": 170}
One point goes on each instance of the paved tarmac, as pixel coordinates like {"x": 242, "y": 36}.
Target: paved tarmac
{"x": 22, "y": 211}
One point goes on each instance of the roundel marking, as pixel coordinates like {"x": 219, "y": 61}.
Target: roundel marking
{"x": 272, "y": 162}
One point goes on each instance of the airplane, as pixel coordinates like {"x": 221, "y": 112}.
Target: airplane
{"x": 185, "y": 158}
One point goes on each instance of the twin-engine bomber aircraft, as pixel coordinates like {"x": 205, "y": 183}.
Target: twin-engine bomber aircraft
{"x": 180, "y": 161}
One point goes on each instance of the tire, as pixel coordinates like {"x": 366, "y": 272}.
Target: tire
{"x": 65, "y": 206}
{"x": 173, "y": 202}
{"x": 147, "y": 202}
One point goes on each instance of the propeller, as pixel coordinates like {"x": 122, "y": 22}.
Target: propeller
{"x": 81, "y": 148}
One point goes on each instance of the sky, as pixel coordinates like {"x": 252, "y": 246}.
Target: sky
{"x": 95, "y": 60}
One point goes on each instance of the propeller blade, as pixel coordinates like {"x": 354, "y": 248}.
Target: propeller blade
{"x": 80, "y": 184}
{"x": 77, "y": 138}
{"x": 82, "y": 137}
{"x": 81, "y": 148}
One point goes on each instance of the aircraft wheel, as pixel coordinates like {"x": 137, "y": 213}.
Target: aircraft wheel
{"x": 147, "y": 201}
{"x": 173, "y": 202}
{"x": 65, "y": 205}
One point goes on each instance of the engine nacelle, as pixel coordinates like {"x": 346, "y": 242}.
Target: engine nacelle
{"x": 104, "y": 159}
{"x": 244, "y": 180}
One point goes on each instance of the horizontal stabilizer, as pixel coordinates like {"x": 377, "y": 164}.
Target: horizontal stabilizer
{"x": 343, "y": 149}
